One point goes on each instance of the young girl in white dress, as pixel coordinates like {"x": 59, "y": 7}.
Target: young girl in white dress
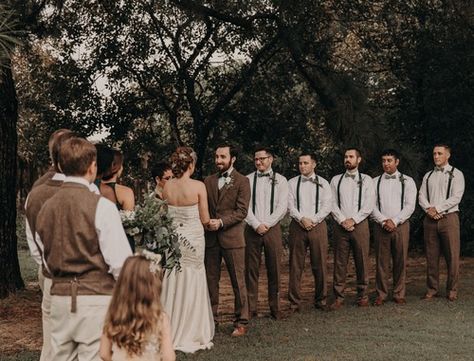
{"x": 136, "y": 328}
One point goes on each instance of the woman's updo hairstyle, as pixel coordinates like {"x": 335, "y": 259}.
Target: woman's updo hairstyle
{"x": 181, "y": 159}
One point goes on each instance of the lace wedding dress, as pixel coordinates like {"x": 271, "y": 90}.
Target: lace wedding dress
{"x": 185, "y": 296}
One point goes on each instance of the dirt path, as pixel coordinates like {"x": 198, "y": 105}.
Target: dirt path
{"x": 20, "y": 315}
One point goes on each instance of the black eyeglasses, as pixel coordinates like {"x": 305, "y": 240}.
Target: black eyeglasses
{"x": 261, "y": 159}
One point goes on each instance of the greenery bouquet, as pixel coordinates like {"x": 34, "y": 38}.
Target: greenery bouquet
{"x": 152, "y": 228}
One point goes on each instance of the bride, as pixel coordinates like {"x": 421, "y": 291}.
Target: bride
{"x": 185, "y": 294}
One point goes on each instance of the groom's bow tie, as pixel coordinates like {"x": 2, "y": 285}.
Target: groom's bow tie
{"x": 388, "y": 176}
{"x": 224, "y": 175}
{"x": 264, "y": 174}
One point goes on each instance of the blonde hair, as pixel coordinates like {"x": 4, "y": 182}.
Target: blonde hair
{"x": 135, "y": 309}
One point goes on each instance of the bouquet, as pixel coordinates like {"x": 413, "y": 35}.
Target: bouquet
{"x": 152, "y": 227}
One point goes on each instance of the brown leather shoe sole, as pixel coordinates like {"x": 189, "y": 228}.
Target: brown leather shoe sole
{"x": 400, "y": 301}
{"x": 239, "y": 331}
{"x": 379, "y": 302}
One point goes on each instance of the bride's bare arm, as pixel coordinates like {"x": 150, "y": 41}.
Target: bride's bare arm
{"x": 203, "y": 206}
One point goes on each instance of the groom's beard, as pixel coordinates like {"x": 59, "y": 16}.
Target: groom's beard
{"x": 223, "y": 167}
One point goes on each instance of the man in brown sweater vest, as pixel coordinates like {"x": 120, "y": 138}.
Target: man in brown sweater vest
{"x": 84, "y": 247}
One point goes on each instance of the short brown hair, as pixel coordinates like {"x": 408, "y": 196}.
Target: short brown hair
{"x": 443, "y": 145}
{"x": 75, "y": 156}
{"x": 53, "y": 137}
{"x": 58, "y": 140}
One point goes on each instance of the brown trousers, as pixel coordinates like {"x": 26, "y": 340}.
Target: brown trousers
{"x": 392, "y": 245}
{"x": 272, "y": 244}
{"x": 317, "y": 242}
{"x": 442, "y": 236}
{"x": 235, "y": 262}
{"x": 358, "y": 240}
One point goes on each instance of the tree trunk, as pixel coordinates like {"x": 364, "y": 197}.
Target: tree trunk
{"x": 10, "y": 276}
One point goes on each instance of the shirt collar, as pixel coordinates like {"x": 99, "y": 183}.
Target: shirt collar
{"x": 356, "y": 173}
{"x": 312, "y": 176}
{"x": 79, "y": 180}
{"x": 397, "y": 174}
{"x": 59, "y": 177}
{"x": 269, "y": 171}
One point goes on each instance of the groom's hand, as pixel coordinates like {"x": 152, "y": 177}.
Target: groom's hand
{"x": 214, "y": 225}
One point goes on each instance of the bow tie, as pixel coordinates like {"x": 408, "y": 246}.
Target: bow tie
{"x": 439, "y": 169}
{"x": 347, "y": 175}
{"x": 307, "y": 179}
{"x": 388, "y": 176}
{"x": 224, "y": 175}
{"x": 263, "y": 174}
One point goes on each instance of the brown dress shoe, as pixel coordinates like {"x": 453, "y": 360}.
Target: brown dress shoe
{"x": 429, "y": 297}
{"x": 239, "y": 331}
{"x": 276, "y": 315}
{"x": 452, "y": 298}
{"x": 338, "y": 304}
{"x": 363, "y": 302}
{"x": 379, "y": 301}
{"x": 321, "y": 306}
{"x": 399, "y": 301}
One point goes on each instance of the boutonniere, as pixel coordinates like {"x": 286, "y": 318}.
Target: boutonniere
{"x": 228, "y": 181}
{"x": 402, "y": 179}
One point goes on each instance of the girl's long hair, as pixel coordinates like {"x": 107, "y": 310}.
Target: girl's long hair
{"x": 134, "y": 313}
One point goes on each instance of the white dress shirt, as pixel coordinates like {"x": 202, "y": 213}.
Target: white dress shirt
{"x": 113, "y": 241}
{"x": 349, "y": 194}
{"x": 438, "y": 187}
{"x": 221, "y": 181}
{"x": 389, "y": 192}
{"x": 263, "y": 199}
{"x": 307, "y": 198}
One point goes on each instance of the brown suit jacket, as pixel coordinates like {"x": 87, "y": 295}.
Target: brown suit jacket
{"x": 231, "y": 204}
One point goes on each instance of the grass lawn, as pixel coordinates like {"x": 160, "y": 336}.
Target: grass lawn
{"x": 420, "y": 330}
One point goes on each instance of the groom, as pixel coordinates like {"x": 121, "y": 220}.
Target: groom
{"x": 228, "y": 194}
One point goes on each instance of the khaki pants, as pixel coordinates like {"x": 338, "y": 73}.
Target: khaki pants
{"x": 357, "y": 240}
{"x": 77, "y": 335}
{"x": 391, "y": 245}
{"x": 272, "y": 245}
{"x": 317, "y": 242}
{"x": 46, "y": 318}
{"x": 235, "y": 262}
{"x": 442, "y": 236}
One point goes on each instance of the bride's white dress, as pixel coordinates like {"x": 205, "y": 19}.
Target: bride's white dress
{"x": 185, "y": 296}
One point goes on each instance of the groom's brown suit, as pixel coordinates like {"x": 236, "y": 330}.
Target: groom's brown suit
{"x": 230, "y": 204}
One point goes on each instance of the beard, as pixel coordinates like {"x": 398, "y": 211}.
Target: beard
{"x": 224, "y": 167}
{"x": 350, "y": 166}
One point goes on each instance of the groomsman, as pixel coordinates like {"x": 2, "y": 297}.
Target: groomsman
{"x": 51, "y": 171}
{"x": 354, "y": 199}
{"x": 268, "y": 205}
{"x": 439, "y": 196}
{"x": 395, "y": 195}
{"x": 228, "y": 194}
{"x": 309, "y": 203}
{"x": 49, "y": 186}
{"x": 161, "y": 173}
{"x": 84, "y": 247}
